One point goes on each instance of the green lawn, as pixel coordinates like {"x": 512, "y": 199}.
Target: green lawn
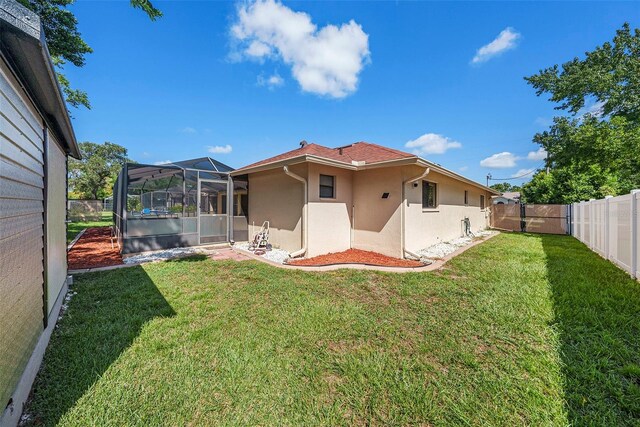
{"x": 521, "y": 330}
{"x": 73, "y": 228}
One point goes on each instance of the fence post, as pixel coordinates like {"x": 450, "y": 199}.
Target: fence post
{"x": 634, "y": 233}
{"x": 582, "y": 209}
{"x": 576, "y": 221}
{"x": 606, "y": 226}
{"x": 570, "y": 219}
{"x": 591, "y": 222}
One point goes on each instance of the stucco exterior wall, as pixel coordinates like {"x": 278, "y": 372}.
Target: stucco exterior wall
{"x": 277, "y": 198}
{"x": 329, "y": 219}
{"x": 426, "y": 227}
{"x": 377, "y": 220}
{"x": 359, "y": 217}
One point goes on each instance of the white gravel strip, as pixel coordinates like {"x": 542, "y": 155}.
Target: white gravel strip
{"x": 440, "y": 250}
{"x": 278, "y": 256}
{"x": 161, "y": 255}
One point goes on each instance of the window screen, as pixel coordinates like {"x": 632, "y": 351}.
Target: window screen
{"x": 466, "y": 197}
{"x": 429, "y": 194}
{"x": 327, "y": 186}
{"x": 481, "y": 201}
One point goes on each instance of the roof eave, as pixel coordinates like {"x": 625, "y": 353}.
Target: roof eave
{"x": 414, "y": 160}
{"x": 451, "y": 174}
{"x": 29, "y": 57}
{"x": 292, "y": 161}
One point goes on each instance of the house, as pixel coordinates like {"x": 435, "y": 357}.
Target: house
{"x": 363, "y": 196}
{"x": 36, "y": 137}
{"x": 506, "y": 198}
{"x": 179, "y": 204}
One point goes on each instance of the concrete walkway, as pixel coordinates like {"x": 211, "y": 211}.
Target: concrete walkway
{"x": 219, "y": 254}
{"x": 229, "y": 253}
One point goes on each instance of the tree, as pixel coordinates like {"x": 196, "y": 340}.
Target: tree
{"x": 610, "y": 75}
{"x": 504, "y": 187}
{"x": 93, "y": 176}
{"x": 567, "y": 185}
{"x": 65, "y": 42}
{"x": 592, "y": 154}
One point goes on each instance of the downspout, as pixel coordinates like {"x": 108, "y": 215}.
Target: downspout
{"x": 304, "y": 213}
{"x": 402, "y": 213}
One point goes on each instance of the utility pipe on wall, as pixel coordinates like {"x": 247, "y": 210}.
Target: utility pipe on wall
{"x": 403, "y": 210}
{"x": 304, "y": 213}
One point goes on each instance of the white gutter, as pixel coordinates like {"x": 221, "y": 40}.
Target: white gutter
{"x": 304, "y": 213}
{"x": 402, "y": 213}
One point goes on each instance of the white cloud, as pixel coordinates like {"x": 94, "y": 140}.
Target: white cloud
{"x": 258, "y": 49}
{"x": 541, "y": 154}
{"x": 594, "y": 108}
{"x": 464, "y": 168}
{"x": 502, "y": 160}
{"x": 220, "y": 149}
{"x": 507, "y": 39}
{"x": 189, "y": 129}
{"x": 163, "y": 162}
{"x": 325, "y": 61}
{"x": 432, "y": 143}
{"x": 271, "y": 82}
{"x": 522, "y": 173}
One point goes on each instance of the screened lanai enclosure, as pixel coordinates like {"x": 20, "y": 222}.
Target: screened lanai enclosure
{"x": 188, "y": 203}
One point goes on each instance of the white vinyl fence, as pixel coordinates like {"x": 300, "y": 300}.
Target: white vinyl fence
{"x": 611, "y": 228}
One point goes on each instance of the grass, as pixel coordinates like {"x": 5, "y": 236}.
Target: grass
{"x": 521, "y": 330}
{"x": 73, "y": 228}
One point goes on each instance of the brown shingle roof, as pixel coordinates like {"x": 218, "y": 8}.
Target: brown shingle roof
{"x": 359, "y": 152}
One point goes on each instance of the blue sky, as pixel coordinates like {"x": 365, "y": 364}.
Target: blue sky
{"x": 254, "y": 80}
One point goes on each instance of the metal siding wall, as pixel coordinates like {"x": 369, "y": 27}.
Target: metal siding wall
{"x": 21, "y": 231}
{"x": 56, "y": 216}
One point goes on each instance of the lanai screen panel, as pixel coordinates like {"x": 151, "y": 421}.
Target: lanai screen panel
{"x": 157, "y": 205}
{"x": 155, "y": 202}
{"x": 240, "y": 208}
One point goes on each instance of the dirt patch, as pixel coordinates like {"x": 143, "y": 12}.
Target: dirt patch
{"x": 344, "y": 346}
{"x": 94, "y": 250}
{"x": 356, "y": 256}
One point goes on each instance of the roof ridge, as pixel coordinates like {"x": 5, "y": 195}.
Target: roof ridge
{"x": 389, "y": 149}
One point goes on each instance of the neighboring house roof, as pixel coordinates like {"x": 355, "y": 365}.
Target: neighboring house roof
{"x": 357, "y": 156}
{"x": 513, "y": 195}
{"x": 23, "y": 46}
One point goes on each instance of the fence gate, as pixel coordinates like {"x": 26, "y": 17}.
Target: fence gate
{"x": 530, "y": 218}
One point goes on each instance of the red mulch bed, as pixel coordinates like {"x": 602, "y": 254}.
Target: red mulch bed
{"x": 356, "y": 256}
{"x": 93, "y": 250}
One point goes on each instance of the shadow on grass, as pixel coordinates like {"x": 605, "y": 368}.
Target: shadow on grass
{"x": 103, "y": 319}
{"x": 597, "y": 315}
